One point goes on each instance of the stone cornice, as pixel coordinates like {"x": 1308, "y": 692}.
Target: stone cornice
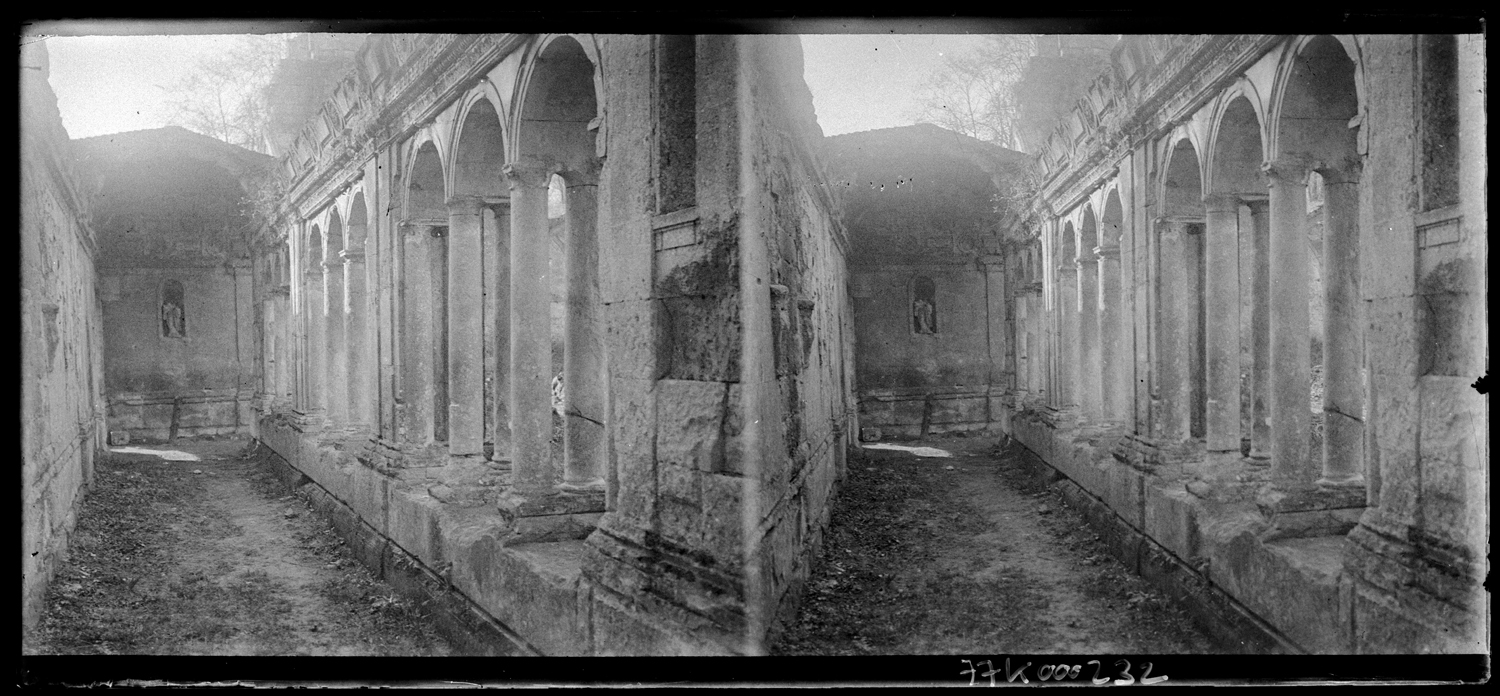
{"x": 431, "y": 73}
{"x": 1193, "y": 74}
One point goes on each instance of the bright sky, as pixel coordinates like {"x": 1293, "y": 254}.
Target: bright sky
{"x": 110, "y": 84}
{"x": 861, "y": 81}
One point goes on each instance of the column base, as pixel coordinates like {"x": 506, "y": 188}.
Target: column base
{"x": 1059, "y": 417}
{"x": 308, "y": 421}
{"x": 556, "y": 515}
{"x": 1310, "y": 511}
{"x": 1146, "y": 454}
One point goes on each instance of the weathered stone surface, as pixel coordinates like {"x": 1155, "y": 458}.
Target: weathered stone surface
{"x": 691, "y": 423}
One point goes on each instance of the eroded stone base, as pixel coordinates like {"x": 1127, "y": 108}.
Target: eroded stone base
{"x": 1267, "y": 570}
{"x": 505, "y": 573}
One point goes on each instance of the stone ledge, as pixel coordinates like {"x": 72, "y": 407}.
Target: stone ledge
{"x": 527, "y": 596}
{"x": 1181, "y": 541}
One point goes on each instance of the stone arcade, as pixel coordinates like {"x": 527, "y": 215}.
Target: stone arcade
{"x": 1239, "y": 320}
{"x": 1262, "y": 394}
{"x": 688, "y": 291}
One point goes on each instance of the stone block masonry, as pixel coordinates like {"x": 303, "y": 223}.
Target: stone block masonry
{"x": 62, "y": 405}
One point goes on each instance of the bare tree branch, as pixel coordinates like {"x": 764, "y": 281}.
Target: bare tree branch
{"x": 973, "y": 92}
{"x": 223, "y": 96}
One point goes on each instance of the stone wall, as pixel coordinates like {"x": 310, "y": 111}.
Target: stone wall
{"x": 799, "y": 247}
{"x": 921, "y": 204}
{"x": 62, "y": 419}
{"x": 175, "y": 281}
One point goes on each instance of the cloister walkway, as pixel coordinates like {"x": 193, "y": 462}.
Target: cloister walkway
{"x": 969, "y": 555}
{"x": 191, "y": 549}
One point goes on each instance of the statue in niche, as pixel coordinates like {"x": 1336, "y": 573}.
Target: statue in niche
{"x": 173, "y": 322}
{"x": 921, "y": 311}
{"x": 924, "y": 306}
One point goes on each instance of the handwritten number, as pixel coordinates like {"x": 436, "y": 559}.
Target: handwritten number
{"x": 1147, "y": 673}
{"x": 1097, "y": 666}
{"x": 991, "y": 674}
{"x": 969, "y": 671}
{"x": 1128, "y": 680}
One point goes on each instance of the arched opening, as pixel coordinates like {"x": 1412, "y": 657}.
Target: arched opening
{"x": 556, "y": 136}
{"x": 479, "y": 290}
{"x": 1115, "y": 371}
{"x": 1238, "y": 240}
{"x": 1180, "y": 336}
{"x": 424, "y": 299}
{"x": 1090, "y": 377}
{"x": 1317, "y": 128}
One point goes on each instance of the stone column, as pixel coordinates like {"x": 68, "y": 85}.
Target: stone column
{"x": 530, "y": 334}
{"x": 1260, "y": 330}
{"x": 1222, "y": 334}
{"x": 1036, "y": 347}
{"x": 1343, "y": 342}
{"x": 583, "y": 340}
{"x": 314, "y": 324}
{"x": 1290, "y": 359}
{"x": 1115, "y": 371}
{"x": 1066, "y": 355}
{"x": 1173, "y": 326}
{"x": 356, "y": 327}
{"x": 1090, "y": 370}
{"x": 465, "y": 328}
{"x": 417, "y": 328}
{"x": 335, "y": 351}
{"x": 1143, "y": 272}
{"x": 999, "y": 337}
{"x": 496, "y": 240}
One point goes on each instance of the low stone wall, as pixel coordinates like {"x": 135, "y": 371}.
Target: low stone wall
{"x": 1204, "y": 541}
{"x": 158, "y": 417}
{"x": 472, "y": 630}
{"x": 912, "y": 413}
{"x": 450, "y": 550}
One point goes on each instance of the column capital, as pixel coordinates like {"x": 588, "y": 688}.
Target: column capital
{"x": 581, "y": 173}
{"x": 459, "y": 205}
{"x": 1111, "y": 251}
{"x": 1345, "y": 172}
{"x": 1289, "y": 169}
{"x": 993, "y": 261}
{"x": 1259, "y": 205}
{"x": 1178, "y": 223}
{"x": 352, "y": 255}
{"x": 1221, "y": 202}
{"x": 527, "y": 174}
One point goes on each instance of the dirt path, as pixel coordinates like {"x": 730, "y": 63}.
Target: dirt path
{"x": 207, "y": 558}
{"x": 965, "y": 555}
